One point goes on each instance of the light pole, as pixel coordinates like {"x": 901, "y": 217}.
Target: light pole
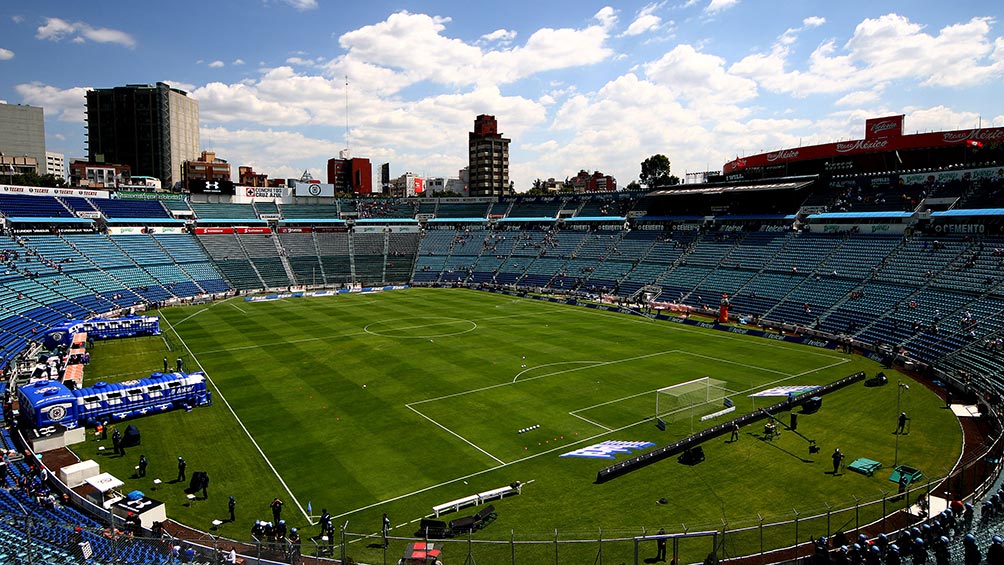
{"x": 900, "y": 387}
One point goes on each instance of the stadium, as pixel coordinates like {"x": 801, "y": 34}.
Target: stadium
{"x": 806, "y": 346}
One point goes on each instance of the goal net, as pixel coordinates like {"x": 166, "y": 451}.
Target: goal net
{"x": 690, "y": 400}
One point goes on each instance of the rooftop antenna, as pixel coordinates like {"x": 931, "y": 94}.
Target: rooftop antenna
{"x": 346, "y": 153}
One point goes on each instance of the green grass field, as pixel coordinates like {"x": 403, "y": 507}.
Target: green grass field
{"x": 396, "y": 402}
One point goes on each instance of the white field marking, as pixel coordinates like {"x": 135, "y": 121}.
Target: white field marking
{"x": 720, "y": 360}
{"x": 612, "y": 401}
{"x": 554, "y": 449}
{"x": 239, "y": 309}
{"x": 211, "y": 305}
{"x": 446, "y": 321}
{"x": 588, "y": 421}
{"x": 489, "y": 387}
{"x": 163, "y": 336}
{"x": 534, "y": 368}
{"x": 333, "y": 337}
{"x": 456, "y": 435}
{"x": 219, "y": 394}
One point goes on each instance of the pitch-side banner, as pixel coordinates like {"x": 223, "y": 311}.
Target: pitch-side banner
{"x": 314, "y": 189}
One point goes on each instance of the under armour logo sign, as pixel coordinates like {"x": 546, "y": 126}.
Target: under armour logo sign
{"x": 212, "y": 185}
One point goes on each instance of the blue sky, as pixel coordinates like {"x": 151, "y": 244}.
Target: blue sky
{"x": 575, "y": 85}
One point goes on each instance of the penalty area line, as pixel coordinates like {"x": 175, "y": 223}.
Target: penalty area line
{"x": 456, "y": 435}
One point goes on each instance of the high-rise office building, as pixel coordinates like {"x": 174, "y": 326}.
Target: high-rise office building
{"x": 152, "y": 128}
{"x": 489, "y": 159}
{"x": 351, "y": 175}
{"x": 22, "y": 139}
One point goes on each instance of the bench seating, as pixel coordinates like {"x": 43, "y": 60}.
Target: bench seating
{"x": 480, "y": 498}
{"x": 455, "y": 505}
{"x": 500, "y": 492}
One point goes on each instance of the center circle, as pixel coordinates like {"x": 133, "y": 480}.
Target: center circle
{"x": 420, "y": 328}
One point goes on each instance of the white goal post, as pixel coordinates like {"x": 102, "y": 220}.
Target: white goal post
{"x": 697, "y": 397}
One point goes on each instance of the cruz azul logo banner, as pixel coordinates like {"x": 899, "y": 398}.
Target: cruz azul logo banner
{"x": 608, "y": 449}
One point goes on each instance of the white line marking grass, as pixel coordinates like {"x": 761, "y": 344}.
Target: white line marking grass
{"x": 219, "y": 395}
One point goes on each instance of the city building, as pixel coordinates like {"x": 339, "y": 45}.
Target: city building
{"x": 153, "y": 129}
{"x": 248, "y": 177}
{"x": 99, "y": 175}
{"x": 488, "y": 167}
{"x": 596, "y": 182}
{"x": 351, "y": 175}
{"x": 22, "y": 139}
{"x": 406, "y": 185}
{"x": 438, "y": 185}
{"x": 206, "y": 168}
{"x": 55, "y": 165}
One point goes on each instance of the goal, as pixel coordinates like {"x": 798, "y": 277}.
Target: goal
{"x": 690, "y": 400}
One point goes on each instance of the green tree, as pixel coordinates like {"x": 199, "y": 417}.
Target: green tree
{"x": 633, "y": 185}
{"x": 655, "y": 172}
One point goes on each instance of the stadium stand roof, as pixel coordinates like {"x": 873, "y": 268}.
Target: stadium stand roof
{"x": 386, "y": 220}
{"x": 966, "y": 213}
{"x": 708, "y": 190}
{"x": 145, "y": 221}
{"x": 311, "y": 221}
{"x": 596, "y": 219}
{"x": 529, "y": 219}
{"x": 739, "y": 217}
{"x": 41, "y": 220}
{"x": 455, "y": 220}
{"x": 859, "y": 215}
{"x": 241, "y": 221}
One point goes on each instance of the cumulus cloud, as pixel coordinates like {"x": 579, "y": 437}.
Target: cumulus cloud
{"x": 607, "y": 17}
{"x": 6, "y": 54}
{"x": 238, "y": 62}
{"x": 216, "y": 64}
{"x": 504, "y": 36}
{"x": 646, "y": 20}
{"x": 67, "y": 105}
{"x": 693, "y": 75}
{"x": 716, "y": 6}
{"x": 883, "y": 50}
{"x": 55, "y": 29}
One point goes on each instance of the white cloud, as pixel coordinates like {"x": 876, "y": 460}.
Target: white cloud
{"x": 302, "y": 5}
{"x": 607, "y": 17}
{"x": 6, "y": 54}
{"x": 412, "y": 48}
{"x": 643, "y": 23}
{"x": 716, "y": 6}
{"x": 813, "y": 21}
{"x": 180, "y": 85}
{"x": 55, "y": 29}
{"x": 221, "y": 103}
{"x": 646, "y": 20}
{"x": 238, "y": 62}
{"x": 504, "y": 36}
{"x": 66, "y": 105}
{"x": 883, "y": 50}
{"x": 17, "y": 19}
{"x": 216, "y": 64}
{"x": 860, "y": 97}
{"x": 693, "y": 75}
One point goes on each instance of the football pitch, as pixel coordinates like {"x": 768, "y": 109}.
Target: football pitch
{"x": 399, "y": 401}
